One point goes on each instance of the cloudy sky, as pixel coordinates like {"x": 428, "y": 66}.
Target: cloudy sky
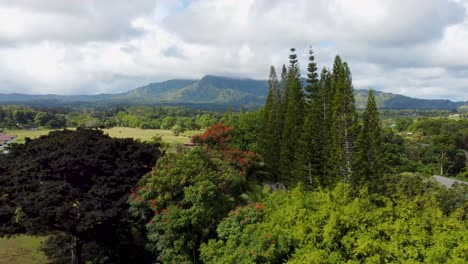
{"x": 417, "y": 48}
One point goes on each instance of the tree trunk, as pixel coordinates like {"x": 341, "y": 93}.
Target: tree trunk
{"x": 311, "y": 182}
{"x": 466, "y": 157}
{"x": 76, "y": 248}
{"x": 442, "y": 164}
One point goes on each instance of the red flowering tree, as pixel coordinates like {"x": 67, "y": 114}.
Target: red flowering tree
{"x": 217, "y": 138}
{"x": 183, "y": 199}
{"x": 189, "y": 192}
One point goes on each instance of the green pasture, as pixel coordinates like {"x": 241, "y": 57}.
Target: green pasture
{"x": 116, "y": 132}
{"x": 21, "y": 134}
{"x": 21, "y": 249}
{"x": 148, "y": 134}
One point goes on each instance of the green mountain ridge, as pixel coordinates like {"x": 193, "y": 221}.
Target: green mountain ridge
{"x": 223, "y": 92}
{"x": 386, "y": 100}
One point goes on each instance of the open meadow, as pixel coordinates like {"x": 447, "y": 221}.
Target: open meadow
{"x": 116, "y": 132}
{"x": 21, "y": 249}
{"x": 148, "y": 134}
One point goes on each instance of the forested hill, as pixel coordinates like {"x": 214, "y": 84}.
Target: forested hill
{"x": 209, "y": 90}
{"x": 215, "y": 90}
{"x": 397, "y": 101}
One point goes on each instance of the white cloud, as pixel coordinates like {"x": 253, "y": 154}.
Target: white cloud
{"x": 415, "y": 47}
{"x": 69, "y": 21}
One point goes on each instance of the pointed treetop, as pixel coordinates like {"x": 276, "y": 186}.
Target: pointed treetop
{"x": 293, "y": 57}
{"x": 312, "y": 76}
{"x": 273, "y": 79}
{"x": 293, "y": 64}
{"x": 272, "y": 70}
{"x": 337, "y": 65}
{"x": 371, "y": 104}
{"x": 347, "y": 72}
{"x": 324, "y": 72}
{"x": 284, "y": 72}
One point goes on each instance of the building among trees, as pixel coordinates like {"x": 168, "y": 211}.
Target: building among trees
{"x": 5, "y": 139}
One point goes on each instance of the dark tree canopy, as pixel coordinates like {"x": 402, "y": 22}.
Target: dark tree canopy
{"x": 74, "y": 182}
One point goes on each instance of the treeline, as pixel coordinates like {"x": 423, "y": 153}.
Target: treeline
{"x": 145, "y": 117}
{"x": 23, "y": 117}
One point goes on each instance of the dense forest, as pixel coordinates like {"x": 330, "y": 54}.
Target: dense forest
{"x": 308, "y": 178}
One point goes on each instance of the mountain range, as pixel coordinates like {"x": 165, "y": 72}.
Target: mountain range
{"x": 215, "y": 91}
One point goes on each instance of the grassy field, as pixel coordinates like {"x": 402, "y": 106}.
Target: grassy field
{"x": 117, "y": 132}
{"x": 21, "y": 134}
{"x": 147, "y": 134}
{"x": 21, "y": 249}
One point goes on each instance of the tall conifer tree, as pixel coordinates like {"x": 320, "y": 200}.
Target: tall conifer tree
{"x": 368, "y": 160}
{"x": 326, "y": 111}
{"x": 292, "y": 120}
{"x": 272, "y": 128}
{"x": 312, "y": 78}
{"x": 344, "y": 122}
{"x": 284, "y": 88}
{"x": 307, "y": 164}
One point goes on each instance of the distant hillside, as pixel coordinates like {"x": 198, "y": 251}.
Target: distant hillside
{"x": 397, "y": 101}
{"x": 209, "y": 90}
{"x": 218, "y": 92}
{"x": 18, "y": 97}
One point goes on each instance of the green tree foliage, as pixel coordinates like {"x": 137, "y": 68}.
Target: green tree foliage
{"x": 394, "y": 157}
{"x": 243, "y": 238}
{"x": 402, "y": 124}
{"x": 310, "y": 150}
{"x": 283, "y": 86}
{"x": 344, "y": 122}
{"x": 368, "y": 166}
{"x": 57, "y": 122}
{"x": 248, "y": 130}
{"x": 205, "y": 120}
{"x": 183, "y": 200}
{"x": 443, "y": 145}
{"x": 42, "y": 118}
{"x": 336, "y": 226}
{"x": 24, "y": 117}
{"x": 168, "y": 122}
{"x": 190, "y": 191}
{"x": 272, "y": 128}
{"x": 293, "y": 119}
{"x": 177, "y": 129}
{"x": 144, "y": 117}
{"x": 72, "y": 182}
